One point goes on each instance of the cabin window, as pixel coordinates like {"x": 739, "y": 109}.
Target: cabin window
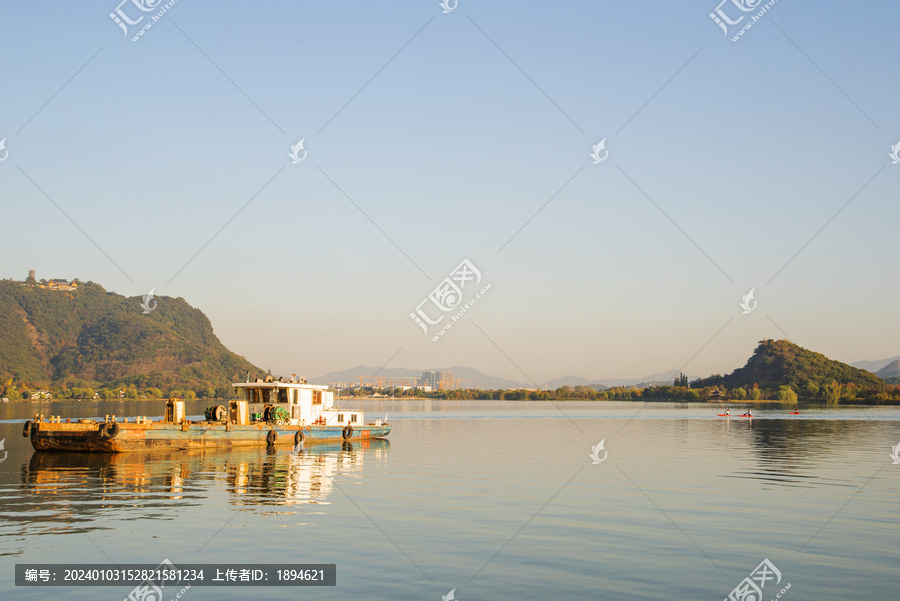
{"x": 353, "y": 418}
{"x": 282, "y": 395}
{"x": 340, "y": 418}
{"x": 317, "y": 397}
{"x": 295, "y": 411}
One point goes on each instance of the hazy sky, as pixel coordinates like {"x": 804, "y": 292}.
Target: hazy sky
{"x": 435, "y": 137}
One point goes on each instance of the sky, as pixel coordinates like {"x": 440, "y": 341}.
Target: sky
{"x": 433, "y": 137}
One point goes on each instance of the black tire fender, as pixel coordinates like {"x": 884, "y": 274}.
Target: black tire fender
{"x": 26, "y": 430}
{"x": 271, "y": 436}
{"x": 348, "y": 432}
{"x": 299, "y": 437}
{"x": 112, "y": 429}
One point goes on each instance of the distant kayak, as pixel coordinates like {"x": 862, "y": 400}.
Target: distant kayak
{"x": 795, "y": 413}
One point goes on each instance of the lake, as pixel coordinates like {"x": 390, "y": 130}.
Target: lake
{"x": 498, "y": 500}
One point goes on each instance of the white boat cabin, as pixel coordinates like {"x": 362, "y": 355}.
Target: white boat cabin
{"x": 295, "y": 403}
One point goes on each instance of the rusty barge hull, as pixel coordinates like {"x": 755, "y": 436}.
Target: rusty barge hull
{"x": 155, "y": 436}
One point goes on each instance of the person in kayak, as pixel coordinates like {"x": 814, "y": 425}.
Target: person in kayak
{"x": 727, "y": 412}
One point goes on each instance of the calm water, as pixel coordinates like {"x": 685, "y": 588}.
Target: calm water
{"x": 498, "y": 500}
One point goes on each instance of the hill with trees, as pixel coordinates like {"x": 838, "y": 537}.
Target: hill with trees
{"x": 87, "y": 339}
{"x": 788, "y": 371}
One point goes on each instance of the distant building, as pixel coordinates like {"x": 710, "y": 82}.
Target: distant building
{"x": 61, "y": 285}
{"x": 55, "y": 284}
{"x": 438, "y": 380}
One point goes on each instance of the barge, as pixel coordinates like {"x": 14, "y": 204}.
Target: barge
{"x": 273, "y": 412}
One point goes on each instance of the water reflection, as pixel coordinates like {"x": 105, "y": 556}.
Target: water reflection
{"x": 65, "y": 493}
{"x": 793, "y": 452}
{"x": 305, "y": 475}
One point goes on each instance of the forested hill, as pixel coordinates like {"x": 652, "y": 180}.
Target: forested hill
{"x": 777, "y": 363}
{"x": 91, "y": 337}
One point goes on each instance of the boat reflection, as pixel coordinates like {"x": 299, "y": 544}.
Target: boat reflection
{"x": 305, "y": 475}
{"x": 64, "y": 493}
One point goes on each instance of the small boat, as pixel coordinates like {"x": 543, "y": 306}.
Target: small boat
{"x": 273, "y": 412}
{"x": 795, "y": 413}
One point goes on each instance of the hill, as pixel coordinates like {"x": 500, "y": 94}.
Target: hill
{"x": 874, "y": 366}
{"x": 91, "y": 337}
{"x": 891, "y": 370}
{"x": 777, "y": 363}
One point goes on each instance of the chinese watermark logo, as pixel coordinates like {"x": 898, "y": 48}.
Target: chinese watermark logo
{"x": 595, "y": 453}
{"x": 723, "y": 20}
{"x": 751, "y": 587}
{"x": 296, "y": 158}
{"x": 749, "y": 303}
{"x": 597, "y": 149}
{"x": 149, "y": 590}
{"x": 448, "y": 297}
{"x": 5, "y": 452}
{"x": 4, "y": 153}
{"x": 895, "y": 455}
{"x": 449, "y": 6}
{"x": 895, "y": 152}
{"x": 149, "y": 303}
{"x": 122, "y": 19}
{"x": 449, "y": 596}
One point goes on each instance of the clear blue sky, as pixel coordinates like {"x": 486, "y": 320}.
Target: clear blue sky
{"x": 450, "y": 132}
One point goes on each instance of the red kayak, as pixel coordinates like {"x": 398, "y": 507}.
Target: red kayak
{"x": 795, "y": 413}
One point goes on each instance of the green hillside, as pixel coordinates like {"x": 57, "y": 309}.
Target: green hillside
{"x": 93, "y": 338}
{"x": 779, "y": 363}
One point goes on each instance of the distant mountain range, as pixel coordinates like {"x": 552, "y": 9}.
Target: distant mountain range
{"x": 888, "y": 369}
{"x": 667, "y": 377}
{"x": 875, "y": 366}
{"x": 891, "y": 370}
{"x": 477, "y": 379}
